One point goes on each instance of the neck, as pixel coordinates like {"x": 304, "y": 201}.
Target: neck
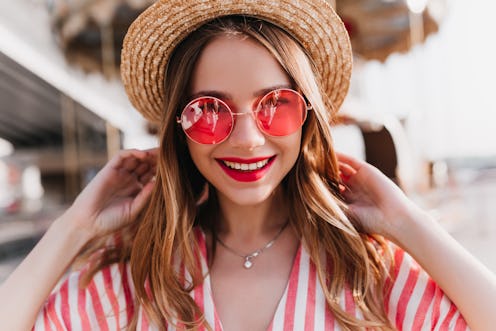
{"x": 253, "y": 222}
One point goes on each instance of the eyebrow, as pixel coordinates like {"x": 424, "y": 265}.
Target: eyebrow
{"x": 227, "y": 96}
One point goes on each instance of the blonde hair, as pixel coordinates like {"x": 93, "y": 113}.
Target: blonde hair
{"x": 164, "y": 231}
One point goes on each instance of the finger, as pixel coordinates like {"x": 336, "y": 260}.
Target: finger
{"x": 130, "y": 163}
{"x": 147, "y": 177}
{"x": 151, "y": 156}
{"x": 136, "y": 158}
{"x": 141, "y": 169}
{"x": 353, "y": 162}
{"x": 129, "y": 188}
{"x": 147, "y": 162}
{"x": 152, "y": 151}
{"x": 141, "y": 199}
{"x": 124, "y": 155}
{"x": 346, "y": 171}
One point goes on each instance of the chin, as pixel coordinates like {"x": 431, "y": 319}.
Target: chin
{"x": 246, "y": 197}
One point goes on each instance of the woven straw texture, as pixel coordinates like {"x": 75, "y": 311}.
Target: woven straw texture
{"x": 153, "y": 36}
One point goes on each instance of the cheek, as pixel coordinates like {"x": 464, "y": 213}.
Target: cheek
{"x": 292, "y": 146}
{"x": 197, "y": 153}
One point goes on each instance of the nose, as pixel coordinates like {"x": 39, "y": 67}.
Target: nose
{"x": 246, "y": 133}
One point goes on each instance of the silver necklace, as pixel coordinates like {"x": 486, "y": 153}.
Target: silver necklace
{"x": 248, "y": 258}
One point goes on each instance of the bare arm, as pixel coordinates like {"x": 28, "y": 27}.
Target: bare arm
{"x": 381, "y": 207}
{"x": 113, "y": 198}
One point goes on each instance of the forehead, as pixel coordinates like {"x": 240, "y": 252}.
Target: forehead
{"x": 233, "y": 64}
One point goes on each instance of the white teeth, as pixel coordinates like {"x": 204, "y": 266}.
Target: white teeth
{"x": 246, "y": 166}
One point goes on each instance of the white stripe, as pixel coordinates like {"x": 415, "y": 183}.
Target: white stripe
{"x": 50, "y": 322}
{"x": 320, "y": 304}
{"x": 118, "y": 289}
{"x": 444, "y": 307}
{"x": 358, "y": 313}
{"x": 104, "y": 300}
{"x": 38, "y": 324}
{"x": 398, "y": 286}
{"x": 428, "y": 319}
{"x": 73, "y": 291}
{"x": 278, "y": 323}
{"x": 57, "y": 306}
{"x": 139, "y": 323}
{"x": 208, "y": 303}
{"x": 302, "y": 291}
{"x": 342, "y": 300}
{"x": 454, "y": 319}
{"x": 414, "y": 301}
{"x": 208, "y": 299}
{"x": 89, "y": 308}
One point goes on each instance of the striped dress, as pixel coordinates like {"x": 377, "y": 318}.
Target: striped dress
{"x": 414, "y": 302}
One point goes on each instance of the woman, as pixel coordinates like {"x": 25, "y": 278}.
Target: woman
{"x": 251, "y": 221}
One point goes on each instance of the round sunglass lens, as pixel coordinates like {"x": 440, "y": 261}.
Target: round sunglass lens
{"x": 281, "y": 112}
{"x": 207, "y": 120}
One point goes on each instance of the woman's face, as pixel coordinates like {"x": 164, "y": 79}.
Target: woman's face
{"x": 249, "y": 165}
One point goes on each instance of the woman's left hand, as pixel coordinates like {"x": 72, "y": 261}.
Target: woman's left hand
{"x": 117, "y": 193}
{"x": 377, "y": 203}
{"x": 380, "y": 207}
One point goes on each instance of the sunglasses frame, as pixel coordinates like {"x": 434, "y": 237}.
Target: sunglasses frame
{"x": 253, "y": 112}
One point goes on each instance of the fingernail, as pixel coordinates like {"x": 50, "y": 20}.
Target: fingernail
{"x": 344, "y": 177}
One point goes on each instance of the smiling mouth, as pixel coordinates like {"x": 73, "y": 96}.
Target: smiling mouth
{"x": 246, "y": 166}
{"x": 246, "y": 170}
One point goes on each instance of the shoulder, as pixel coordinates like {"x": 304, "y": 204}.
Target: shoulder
{"x": 107, "y": 302}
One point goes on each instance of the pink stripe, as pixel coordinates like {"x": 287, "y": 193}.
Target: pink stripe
{"x": 200, "y": 239}
{"x": 398, "y": 260}
{"x": 182, "y": 271}
{"x": 425, "y": 302}
{"x": 310, "y": 311}
{"x": 436, "y": 307}
{"x": 461, "y": 325}
{"x": 218, "y": 326}
{"x": 399, "y": 254}
{"x": 329, "y": 322}
{"x": 198, "y": 296}
{"x": 127, "y": 292}
{"x": 65, "y": 309}
{"x": 198, "y": 290}
{"x": 109, "y": 289}
{"x": 145, "y": 324}
{"x": 46, "y": 321}
{"x": 446, "y": 323}
{"x": 85, "y": 322}
{"x": 405, "y": 296}
{"x": 52, "y": 314}
{"x": 349, "y": 302}
{"x": 97, "y": 307}
{"x": 289, "y": 311}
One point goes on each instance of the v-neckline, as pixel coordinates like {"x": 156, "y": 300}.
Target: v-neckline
{"x": 207, "y": 284}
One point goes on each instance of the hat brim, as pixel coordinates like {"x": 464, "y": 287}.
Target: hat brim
{"x": 154, "y": 35}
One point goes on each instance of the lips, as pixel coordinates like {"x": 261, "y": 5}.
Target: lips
{"x": 246, "y": 170}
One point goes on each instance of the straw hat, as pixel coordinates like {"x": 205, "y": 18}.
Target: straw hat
{"x": 152, "y": 37}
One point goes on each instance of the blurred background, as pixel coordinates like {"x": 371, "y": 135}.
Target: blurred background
{"x": 421, "y": 108}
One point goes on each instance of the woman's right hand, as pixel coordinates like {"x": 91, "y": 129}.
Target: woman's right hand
{"x": 113, "y": 198}
{"x": 117, "y": 193}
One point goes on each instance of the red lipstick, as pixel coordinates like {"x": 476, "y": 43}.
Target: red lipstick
{"x": 244, "y": 174}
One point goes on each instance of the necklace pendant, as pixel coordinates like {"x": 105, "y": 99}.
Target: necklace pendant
{"x": 248, "y": 264}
